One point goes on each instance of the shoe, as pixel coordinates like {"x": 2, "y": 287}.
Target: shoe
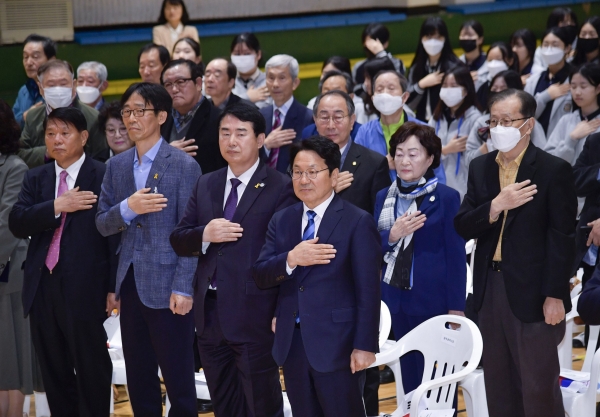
{"x": 386, "y": 375}
{"x": 205, "y": 406}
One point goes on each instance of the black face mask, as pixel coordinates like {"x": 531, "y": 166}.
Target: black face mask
{"x": 587, "y": 45}
{"x": 468, "y": 45}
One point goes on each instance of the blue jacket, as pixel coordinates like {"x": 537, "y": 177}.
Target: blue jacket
{"x": 145, "y": 241}
{"x": 439, "y": 265}
{"x": 29, "y": 94}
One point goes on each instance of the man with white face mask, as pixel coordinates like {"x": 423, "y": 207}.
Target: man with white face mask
{"x": 58, "y": 87}
{"x": 520, "y": 206}
{"x": 92, "y": 81}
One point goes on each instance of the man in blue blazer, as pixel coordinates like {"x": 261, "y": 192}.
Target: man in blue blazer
{"x": 144, "y": 194}
{"x": 285, "y": 118}
{"x": 225, "y": 224}
{"x": 324, "y": 254}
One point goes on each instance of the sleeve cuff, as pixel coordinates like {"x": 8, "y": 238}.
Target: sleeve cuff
{"x": 205, "y": 246}
{"x": 598, "y": 176}
{"x": 126, "y": 213}
{"x": 288, "y": 269}
{"x": 267, "y": 151}
{"x": 181, "y": 293}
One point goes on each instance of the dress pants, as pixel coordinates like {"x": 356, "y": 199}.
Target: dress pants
{"x": 242, "y": 378}
{"x": 153, "y": 338}
{"x": 74, "y": 361}
{"x": 520, "y": 360}
{"x": 371, "y": 391}
{"x": 321, "y": 394}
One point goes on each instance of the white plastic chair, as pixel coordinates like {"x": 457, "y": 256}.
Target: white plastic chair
{"x": 473, "y": 389}
{"x": 469, "y": 280}
{"x": 112, "y": 326}
{"x": 445, "y": 352}
{"x": 42, "y": 409}
{"x": 565, "y": 348}
{"x": 385, "y": 324}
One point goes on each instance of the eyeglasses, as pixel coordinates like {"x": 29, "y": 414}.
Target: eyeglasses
{"x": 113, "y": 132}
{"x": 337, "y": 118}
{"x": 136, "y": 112}
{"x": 296, "y": 174}
{"x": 179, "y": 83}
{"x": 503, "y": 122}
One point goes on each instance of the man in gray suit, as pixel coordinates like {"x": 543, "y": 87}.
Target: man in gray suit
{"x": 144, "y": 194}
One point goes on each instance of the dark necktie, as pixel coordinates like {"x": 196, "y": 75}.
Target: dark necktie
{"x": 309, "y": 233}
{"x": 274, "y": 155}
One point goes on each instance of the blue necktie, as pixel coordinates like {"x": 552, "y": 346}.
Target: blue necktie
{"x": 309, "y": 233}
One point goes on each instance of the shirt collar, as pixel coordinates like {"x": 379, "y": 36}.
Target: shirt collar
{"x": 253, "y": 77}
{"x": 246, "y": 176}
{"x": 321, "y": 208}
{"x": 500, "y": 160}
{"x": 72, "y": 170}
{"x": 177, "y": 30}
{"x": 590, "y": 116}
{"x": 285, "y": 108}
{"x": 150, "y": 155}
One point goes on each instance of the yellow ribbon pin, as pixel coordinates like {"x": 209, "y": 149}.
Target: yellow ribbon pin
{"x": 155, "y": 176}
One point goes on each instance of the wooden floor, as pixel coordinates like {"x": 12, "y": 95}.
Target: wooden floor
{"x": 387, "y": 396}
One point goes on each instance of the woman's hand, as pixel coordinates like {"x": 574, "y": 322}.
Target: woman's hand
{"x": 406, "y": 224}
{"x": 430, "y": 80}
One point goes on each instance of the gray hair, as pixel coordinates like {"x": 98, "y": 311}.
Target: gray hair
{"x": 336, "y": 73}
{"x": 98, "y": 67}
{"x": 283, "y": 60}
{"x": 528, "y": 103}
{"x": 53, "y": 63}
{"x": 349, "y": 102}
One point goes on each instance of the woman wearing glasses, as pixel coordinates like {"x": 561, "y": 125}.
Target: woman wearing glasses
{"x": 111, "y": 122}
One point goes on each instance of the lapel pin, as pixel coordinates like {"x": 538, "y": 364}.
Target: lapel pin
{"x": 432, "y": 198}
{"x": 353, "y": 162}
{"x": 260, "y": 184}
{"x": 156, "y": 176}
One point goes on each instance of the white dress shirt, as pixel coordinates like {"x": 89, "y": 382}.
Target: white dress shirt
{"x": 283, "y": 110}
{"x": 319, "y": 213}
{"x": 72, "y": 173}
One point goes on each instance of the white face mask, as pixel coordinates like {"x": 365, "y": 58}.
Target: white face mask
{"x": 88, "y": 94}
{"x": 451, "y": 96}
{"x": 506, "y": 138}
{"x": 57, "y": 97}
{"x": 387, "y": 104}
{"x": 433, "y": 46}
{"x": 552, "y": 55}
{"x": 496, "y": 66}
{"x": 244, "y": 63}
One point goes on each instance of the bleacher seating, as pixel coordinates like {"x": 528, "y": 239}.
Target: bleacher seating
{"x": 508, "y": 5}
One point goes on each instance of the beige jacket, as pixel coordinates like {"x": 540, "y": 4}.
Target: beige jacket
{"x": 161, "y": 35}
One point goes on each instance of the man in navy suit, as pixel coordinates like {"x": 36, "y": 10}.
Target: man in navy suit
{"x": 324, "y": 254}
{"x": 225, "y": 224}
{"x": 285, "y": 118}
{"x": 144, "y": 194}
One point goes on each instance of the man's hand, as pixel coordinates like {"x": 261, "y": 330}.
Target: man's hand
{"x": 558, "y": 90}
{"x": 74, "y": 200}
{"x": 180, "y": 304}
{"x": 554, "y": 310}
{"x": 361, "y": 359}
{"x": 512, "y": 196}
{"x": 309, "y": 252}
{"x": 406, "y": 224}
{"x": 274, "y": 324}
{"x": 142, "y": 202}
{"x": 430, "y": 80}
{"x": 594, "y": 233}
{"x": 258, "y": 93}
{"x": 455, "y": 326}
{"x": 456, "y": 145}
{"x": 221, "y": 230}
{"x": 374, "y": 45}
{"x": 278, "y": 138}
{"x": 584, "y": 128}
{"x": 344, "y": 181}
{"x": 185, "y": 145}
{"x": 112, "y": 304}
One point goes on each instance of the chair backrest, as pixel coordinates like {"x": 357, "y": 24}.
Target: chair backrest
{"x": 385, "y": 324}
{"x": 591, "y": 348}
{"x": 112, "y": 326}
{"x": 446, "y": 352}
{"x": 469, "y": 280}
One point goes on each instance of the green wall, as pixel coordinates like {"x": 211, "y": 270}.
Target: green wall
{"x": 312, "y": 45}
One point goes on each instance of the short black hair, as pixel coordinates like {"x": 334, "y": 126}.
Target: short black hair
{"x": 463, "y": 78}
{"x": 153, "y": 94}
{"x": 231, "y": 70}
{"x": 10, "y": 131}
{"x": 322, "y": 146}
{"x": 245, "y": 112}
{"x": 69, "y": 115}
{"x": 163, "y": 53}
{"x": 558, "y": 15}
{"x": 426, "y": 135}
{"x": 191, "y": 42}
{"x": 110, "y": 111}
{"x": 510, "y": 77}
{"x": 528, "y": 38}
{"x": 528, "y": 103}
{"x": 349, "y": 102}
{"x": 339, "y": 62}
{"x": 561, "y": 33}
{"x": 335, "y": 73}
{"x": 375, "y": 65}
{"x": 185, "y": 17}
{"x": 196, "y": 71}
{"x": 248, "y": 39}
{"x": 48, "y": 44}
{"x": 473, "y": 24}
{"x": 376, "y": 31}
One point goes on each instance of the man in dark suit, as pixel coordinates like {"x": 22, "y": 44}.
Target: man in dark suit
{"x": 520, "y": 206}
{"x": 69, "y": 271}
{"x": 225, "y": 224}
{"x": 219, "y": 80}
{"x": 192, "y": 125}
{"x": 285, "y": 118}
{"x": 144, "y": 194}
{"x": 325, "y": 256}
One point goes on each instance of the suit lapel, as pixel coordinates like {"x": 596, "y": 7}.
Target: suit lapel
{"x": 48, "y": 183}
{"x": 217, "y": 193}
{"x": 85, "y": 179}
{"x": 269, "y": 119}
{"x": 492, "y": 180}
{"x": 251, "y": 193}
{"x": 159, "y": 166}
{"x": 430, "y": 203}
{"x": 199, "y": 121}
{"x": 526, "y": 171}
{"x": 352, "y": 161}
{"x": 291, "y": 116}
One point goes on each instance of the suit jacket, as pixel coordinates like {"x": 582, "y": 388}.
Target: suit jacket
{"x": 33, "y": 144}
{"x": 204, "y": 127}
{"x": 538, "y": 243}
{"x": 339, "y": 303}
{"x": 586, "y": 171}
{"x": 371, "y": 174}
{"x": 245, "y": 311}
{"x": 161, "y": 35}
{"x": 12, "y": 171}
{"x": 297, "y": 118}
{"x": 145, "y": 241}
{"x": 87, "y": 259}
{"x": 439, "y": 268}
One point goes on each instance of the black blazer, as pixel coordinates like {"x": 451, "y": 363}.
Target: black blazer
{"x": 297, "y": 118}
{"x": 587, "y": 185}
{"x": 538, "y": 243}
{"x": 371, "y": 174}
{"x": 245, "y": 311}
{"x": 88, "y": 260}
{"x": 204, "y": 127}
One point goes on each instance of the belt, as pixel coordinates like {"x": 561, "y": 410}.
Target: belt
{"x": 211, "y": 294}
{"x": 497, "y": 266}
